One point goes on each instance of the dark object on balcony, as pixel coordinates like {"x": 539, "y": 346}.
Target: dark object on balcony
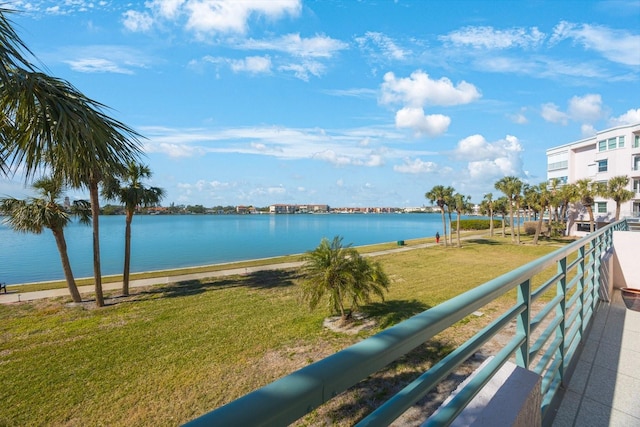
{"x": 631, "y": 298}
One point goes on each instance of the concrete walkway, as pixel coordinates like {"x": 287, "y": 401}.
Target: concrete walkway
{"x": 13, "y": 294}
{"x": 605, "y": 386}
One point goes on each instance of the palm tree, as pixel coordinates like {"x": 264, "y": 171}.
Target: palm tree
{"x": 46, "y": 122}
{"x": 511, "y": 187}
{"x": 616, "y": 190}
{"x": 500, "y": 207}
{"x": 35, "y": 214}
{"x": 586, "y": 191}
{"x": 132, "y": 193}
{"x": 461, "y": 204}
{"x": 541, "y": 199}
{"x": 341, "y": 274}
{"x": 487, "y": 206}
{"x": 439, "y": 195}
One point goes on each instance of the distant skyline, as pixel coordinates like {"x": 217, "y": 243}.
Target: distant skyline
{"x": 345, "y": 103}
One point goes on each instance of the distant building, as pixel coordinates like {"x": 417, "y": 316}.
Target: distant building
{"x": 611, "y": 152}
{"x": 291, "y": 209}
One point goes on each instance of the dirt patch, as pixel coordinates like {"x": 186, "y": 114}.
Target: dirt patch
{"x": 356, "y": 324}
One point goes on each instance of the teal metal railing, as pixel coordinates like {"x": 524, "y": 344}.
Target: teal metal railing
{"x": 546, "y": 338}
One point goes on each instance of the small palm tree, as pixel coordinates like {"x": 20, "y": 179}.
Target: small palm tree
{"x": 487, "y": 206}
{"x": 341, "y": 275}
{"x": 511, "y": 187}
{"x": 540, "y": 198}
{"x": 617, "y": 191}
{"x": 500, "y": 206}
{"x": 461, "y": 204}
{"x": 35, "y": 214}
{"x": 132, "y": 193}
{"x": 586, "y": 191}
{"x": 439, "y": 195}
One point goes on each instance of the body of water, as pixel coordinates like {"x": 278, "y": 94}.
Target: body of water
{"x": 166, "y": 241}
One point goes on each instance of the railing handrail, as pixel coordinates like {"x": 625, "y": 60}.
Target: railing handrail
{"x": 291, "y": 397}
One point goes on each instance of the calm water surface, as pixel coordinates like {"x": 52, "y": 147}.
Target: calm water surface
{"x": 164, "y": 242}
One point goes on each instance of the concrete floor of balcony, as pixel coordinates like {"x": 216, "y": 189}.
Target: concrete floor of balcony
{"x": 604, "y": 388}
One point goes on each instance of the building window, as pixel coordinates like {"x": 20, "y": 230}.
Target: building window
{"x": 636, "y": 163}
{"x": 636, "y": 141}
{"x": 602, "y": 145}
{"x": 601, "y": 207}
{"x": 612, "y": 143}
{"x": 621, "y": 141}
{"x": 602, "y": 165}
{"x": 636, "y": 185}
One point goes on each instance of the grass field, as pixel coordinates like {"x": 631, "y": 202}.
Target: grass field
{"x": 169, "y": 353}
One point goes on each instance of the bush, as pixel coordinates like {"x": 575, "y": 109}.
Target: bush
{"x": 530, "y": 227}
{"x": 475, "y": 224}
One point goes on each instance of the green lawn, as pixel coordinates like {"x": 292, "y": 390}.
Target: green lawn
{"x": 169, "y": 353}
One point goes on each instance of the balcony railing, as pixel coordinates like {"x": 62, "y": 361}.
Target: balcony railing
{"x": 565, "y": 287}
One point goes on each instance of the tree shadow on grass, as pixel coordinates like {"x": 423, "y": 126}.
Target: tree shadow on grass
{"x": 485, "y": 242}
{"x": 265, "y": 279}
{"x": 390, "y": 313}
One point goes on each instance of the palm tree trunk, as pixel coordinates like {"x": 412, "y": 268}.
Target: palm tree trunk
{"x": 127, "y": 253}
{"x": 95, "y": 213}
{"x": 490, "y": 222}
{"x": 518, "y": 225}
{"x": 444, "y": 226}
{"x": 591, "y": 219}
{"x": 539, "y": 226}
{"x": 458, "y": 229}
{"x": 66, "y": 265}
{"x": 450, "y": 232}
{"x": 617, "y": 211}
{"x": 513, "y": 237}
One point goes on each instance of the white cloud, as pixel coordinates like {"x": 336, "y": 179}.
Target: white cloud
{"x": 414, "y": 118}
{"x": 615, "y": 45}
{"x": 487, "y": 160}
{"x": 252, "y": 64}
{"x": 205, "y": 17}
{"x": 303, "y": 70}
{"x": 551, "y": 113}
{"x": 416, "y": 166}
{"x": 333, "y": 157}
{"x": 419, "y": 90}
{"x": 630, "y": 117}
{"x": 97, "y": 65}
{"x": 587, "y": 108}
{"x": 137, "y": 21}
{"x": 388, "y": 48}
{"x": 319, "y": 46}
{"x": 491, "y": 38}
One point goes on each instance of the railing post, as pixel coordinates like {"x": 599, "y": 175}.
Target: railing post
{"x": 561, "y": 289}
{"x": 524, "y": 323}
{"x": 580, "y": 287}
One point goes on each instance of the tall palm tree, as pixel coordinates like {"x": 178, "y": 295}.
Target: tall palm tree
{"x": 461, "y": 204}
{"x": 35, "y": 214}
{"x": 439, "y": 195}
{"x": 132, "y": 193}
{"x": 586, "y": 191}
{"x": 511, "y": 187}
{"x": 540, "y": 197}
{"x": 487, "y": 206}
{"x": 500, "y": 206}
{"x": 341, "y": 274}
{"x": 47, "y": 123}
{"x": 616, "y": 190}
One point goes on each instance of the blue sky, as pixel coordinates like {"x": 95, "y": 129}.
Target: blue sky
{"x": 348, "y": 103}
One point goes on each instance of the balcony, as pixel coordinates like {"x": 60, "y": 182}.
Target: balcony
{"x": 567, "y": 328}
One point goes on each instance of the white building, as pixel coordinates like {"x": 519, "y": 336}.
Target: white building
{"x": 609, "y": 153}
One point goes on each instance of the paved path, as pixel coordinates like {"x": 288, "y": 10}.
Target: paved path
{"x": 13, "y": 295}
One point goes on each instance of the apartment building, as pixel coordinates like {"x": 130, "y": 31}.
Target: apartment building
{"x": 609, "y": 153}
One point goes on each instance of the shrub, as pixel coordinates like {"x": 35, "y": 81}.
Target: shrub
{"x": 530, "y": 227}
{"x": 475, "y": 224}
